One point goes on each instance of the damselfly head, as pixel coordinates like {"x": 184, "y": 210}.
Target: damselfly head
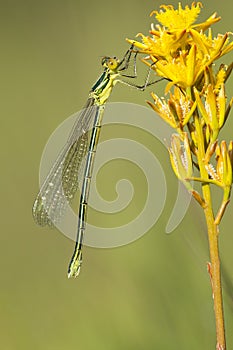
{"x": 110, "y": 62}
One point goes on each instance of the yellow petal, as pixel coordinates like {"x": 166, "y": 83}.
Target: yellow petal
{"x": 191, "y": 61}
{"x": 221, "y": 104}
{"x": 210, "y": 106}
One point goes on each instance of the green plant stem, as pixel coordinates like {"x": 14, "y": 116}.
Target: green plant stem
{"x": 214, "y": 267}
{"x": 215, "y": 274}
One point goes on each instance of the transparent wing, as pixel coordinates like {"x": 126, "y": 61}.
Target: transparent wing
{"x": 61, "y": 183}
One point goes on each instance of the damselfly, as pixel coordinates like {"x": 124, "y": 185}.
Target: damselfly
{"x": 61, "y": 183}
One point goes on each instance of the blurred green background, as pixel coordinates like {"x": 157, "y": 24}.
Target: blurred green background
{"x": 151, "y": 294}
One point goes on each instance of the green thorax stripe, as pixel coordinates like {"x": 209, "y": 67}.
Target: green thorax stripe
{"x": 101, "y": 90}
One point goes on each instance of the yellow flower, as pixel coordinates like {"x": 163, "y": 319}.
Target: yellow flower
{"x": 224, "y": 165}
{"x": 178, "y": 19}
{"x": 179, "y": 49}
{"x": 181, "y": 71}
{"x": 176, "y": 111}
{"x": 210, "y": 49}
{"x": 175, "y": 20}
{"x": 213, "y": 108}
{"x": 161, "y": 107}
{"x": 181, "y": 158}
{"x": 162, "y": 46}
{"x": 222, "y": 174}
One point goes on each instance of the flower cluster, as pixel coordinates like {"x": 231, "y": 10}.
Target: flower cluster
{"x": 181, "y": 52}
{"x": 179, "y": 49}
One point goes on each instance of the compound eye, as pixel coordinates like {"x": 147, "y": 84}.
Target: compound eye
{"x": 113, "y": 63}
